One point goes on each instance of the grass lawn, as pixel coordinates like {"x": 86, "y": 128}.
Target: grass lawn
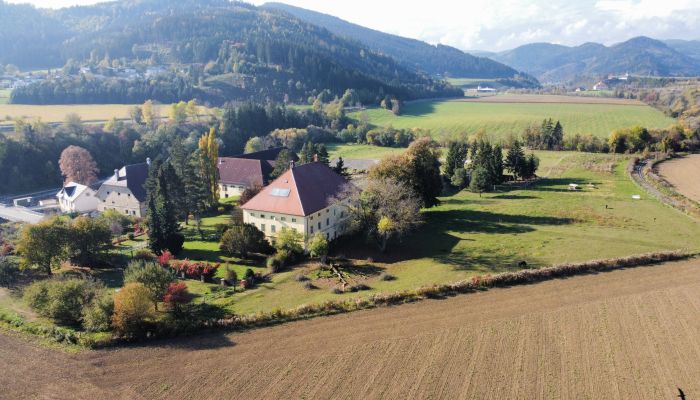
{"x": 470, "y": 235}
{"x": 4, "y": 96}
{"x": 360, "y": 151}
{"x": 499, "y": 120}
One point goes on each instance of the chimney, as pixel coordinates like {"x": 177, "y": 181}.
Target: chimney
{"x": 292, "y": 164}
{"x": 116, "y": 173}
{"x": 315, "y": 157}
{"x": 148, "y": 161}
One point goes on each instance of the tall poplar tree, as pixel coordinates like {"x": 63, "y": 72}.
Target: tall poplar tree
{"x": 209, "y": 158}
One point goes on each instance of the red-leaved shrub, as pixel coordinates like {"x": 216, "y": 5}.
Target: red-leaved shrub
{"x": 177, "y": 294}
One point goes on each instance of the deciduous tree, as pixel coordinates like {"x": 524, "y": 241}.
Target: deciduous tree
{"x": 77, "y": 165}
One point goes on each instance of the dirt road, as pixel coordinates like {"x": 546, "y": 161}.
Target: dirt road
{"x": 627, "y": 334}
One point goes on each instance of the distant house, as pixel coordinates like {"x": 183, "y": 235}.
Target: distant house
{"x": 300, "y": 199}
{"x": 485, "y": 89}
{"x": 580, "y": 89}
{"x": 601, "y": 86}
{"x": 243, "y": 171}
{"x": 74, "y": 197}
{"x": 124, "y": 191}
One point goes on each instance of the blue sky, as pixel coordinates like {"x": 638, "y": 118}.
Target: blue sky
{"x": 504, "y": 24}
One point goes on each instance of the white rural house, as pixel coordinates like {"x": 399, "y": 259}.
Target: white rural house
{"x": 75, "y": 197}
{"x": 124, "y": 191}
{"x": 300, "y": 199}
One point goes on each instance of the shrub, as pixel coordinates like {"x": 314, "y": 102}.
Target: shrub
{"x": 194, "y": 270}
{"x": 9, "y": 270}
{"x": 231, "y": 276}
{"x": 165, "y": 258}
{"x": 336, "y": 290}
{"x": 151, "y": 275}
{"x": 301, "y": 278}
{"x": 279, "y": 260}
{"x": 62, "y": 300}
{"x": 384, "y": 276}
{"x": 309, "y": 286}
{"x": 97, "y": 316}
{"x": 358, "y": 287}
{"x": 176, "y": 296}
{"x": 291, "y": 241}
{"x": 133, "y": 310}
{"x": 318, "y": 247}
{"x": 131, "y": 236}
{"x": 144, "y": 255}
{"x": 243, "y": 239}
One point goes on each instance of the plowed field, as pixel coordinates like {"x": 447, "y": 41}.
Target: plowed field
{"x": 628, "y": 334}
{"x": 684, "y": 174}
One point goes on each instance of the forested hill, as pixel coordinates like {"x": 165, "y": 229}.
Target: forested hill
{"x": 436, "y": 60}
{"x": 637, "y": 56}
{"x": 212, "y": 50}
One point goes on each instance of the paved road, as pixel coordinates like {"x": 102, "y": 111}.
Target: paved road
{"x": 20, "y": 214}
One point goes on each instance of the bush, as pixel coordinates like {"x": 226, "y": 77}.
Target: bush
{"x": 243, "y": 239}
{"x": 144, "y": 255}
{"x": 62, "y": 300}
{"x": 97, "y": 316}
{"x": 194, "y": 270}
{"x": 301, "y": 278}
{"x": 336, "y": 290}
{"x": 279, "y": 260}
{"x": 231, "y": 276}
{"x": 151, "y": 275}
{"x": 165, "y": 258}
{"x": 131, "y": 236}
{"x": 359, "y": 287}
{"x": 133, "y": 310}
{"x": 384, "y": 276}
{"x": 309, "y": 286}
{"x": 9, "y": 270}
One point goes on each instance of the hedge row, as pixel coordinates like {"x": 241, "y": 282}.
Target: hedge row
{"x": 476, "y": 283}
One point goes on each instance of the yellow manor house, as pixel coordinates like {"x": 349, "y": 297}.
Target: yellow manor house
{"x": 304, "y": 198}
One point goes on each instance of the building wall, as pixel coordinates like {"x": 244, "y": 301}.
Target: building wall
{"x": 86, "y": 202}
{"x": 332, "y": 220}
{"x": 230, "y": 190}
{"x": 121, "y": 199}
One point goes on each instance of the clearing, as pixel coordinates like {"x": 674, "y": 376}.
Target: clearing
{"x": 683, "y": 174}
{"x": 626, "y": 334}
{"x": 503, "y": 115}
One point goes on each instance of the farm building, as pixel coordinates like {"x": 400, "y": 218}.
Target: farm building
{"x": 74, "y": 197}
{"x": 485, "y": 89}
{"x": 601, "y": 86}
{"x": 124, "y": 191}
{"x": 243, "y": 171}
{"x": 300, "y": 199}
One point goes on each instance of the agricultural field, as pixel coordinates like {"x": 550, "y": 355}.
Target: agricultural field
{"x": 57, "y": 113}
{"x": 4, "y": 96}
{"x": 626, "y": 334}
{"x": 471, "y": 235}
{"x": 360, "y": 151}
{"x": 503, "y": 115}
{"x": 683, "y": 174}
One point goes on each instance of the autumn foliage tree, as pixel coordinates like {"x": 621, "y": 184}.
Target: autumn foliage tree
{"x": 209, "y": 157}
{"x": 77, "y": 165}
{"x": 133, "y": 309}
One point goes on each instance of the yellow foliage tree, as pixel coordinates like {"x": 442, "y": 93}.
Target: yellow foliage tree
{"x": 209, "y": 158}
{"x": 133, "y": 308}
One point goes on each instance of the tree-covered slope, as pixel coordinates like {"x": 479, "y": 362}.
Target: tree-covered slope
{"x": 215, "y": 50}
{"x": 435, "y": 60}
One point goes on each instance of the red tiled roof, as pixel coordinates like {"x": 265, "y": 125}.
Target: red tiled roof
{"x": 243, "y": 171}
{"x": 309, "y": 187}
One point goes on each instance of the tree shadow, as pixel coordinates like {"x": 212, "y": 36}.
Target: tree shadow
{"x": 213, "y": 256}
{"x": 419, "y": 108}
{"x": 515, "y": 197}
{"x": 559, "y": 185}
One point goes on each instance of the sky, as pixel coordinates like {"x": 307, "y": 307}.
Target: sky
{"x": 497, "y": 25}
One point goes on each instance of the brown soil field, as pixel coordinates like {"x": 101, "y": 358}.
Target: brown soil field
{"x": 684, "y": 174}
{"x": 626, "y": 334}
{"x": 547, "y": 98}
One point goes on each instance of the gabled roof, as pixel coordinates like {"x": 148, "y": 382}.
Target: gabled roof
{"x": 132, "y": 177}
{"x": 300, "y": 191}
{"x": 243, "y": 171}
{"x": 72, "y": 191}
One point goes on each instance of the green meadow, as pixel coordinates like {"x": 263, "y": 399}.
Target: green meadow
{"x": 499, "y": 120}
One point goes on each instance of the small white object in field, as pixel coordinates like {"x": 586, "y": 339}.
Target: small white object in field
{"x": 573, "y": 186}
{"x": 636, "y": 197}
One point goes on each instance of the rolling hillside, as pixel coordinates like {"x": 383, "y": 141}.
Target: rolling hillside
{"x": 213, "y": 50}
{"x": 637, "y": 56}
{"x": 436, "y": 60}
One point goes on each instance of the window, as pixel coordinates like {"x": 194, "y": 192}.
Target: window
{"x": 342, "y": 214}
{"x": 273, "y": 228}
{"x": 262, "y": 227}
{"x": 294, "y": 220}
{"x": 252, "y": 214}
{"x": 327, "y": 211}
{"x": 311, "y": 218}
{"x": 311, "y": 229}
{"x": 283, "y": 219}
{"x": 128, "y": 195}
{"x": 328, "y": 221}
{"x": 319, "y": 214}
{"x": 119, "y": 194}
{"x": 334, "y": 211}
{"x": 280, "y": 192}
{"x": 319, "y": 225}
{"x": 328, "y": 236}
{"x": 262, "y": 216}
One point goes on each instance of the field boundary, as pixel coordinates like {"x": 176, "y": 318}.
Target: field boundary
{"x": 645, "y": 174}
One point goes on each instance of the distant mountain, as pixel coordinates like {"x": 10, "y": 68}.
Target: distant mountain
{"x": 637, "y": 56}
{"x": 213, "y": 50}
{"x": 436, "y": 60}
{"x": 690, "y": 48}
